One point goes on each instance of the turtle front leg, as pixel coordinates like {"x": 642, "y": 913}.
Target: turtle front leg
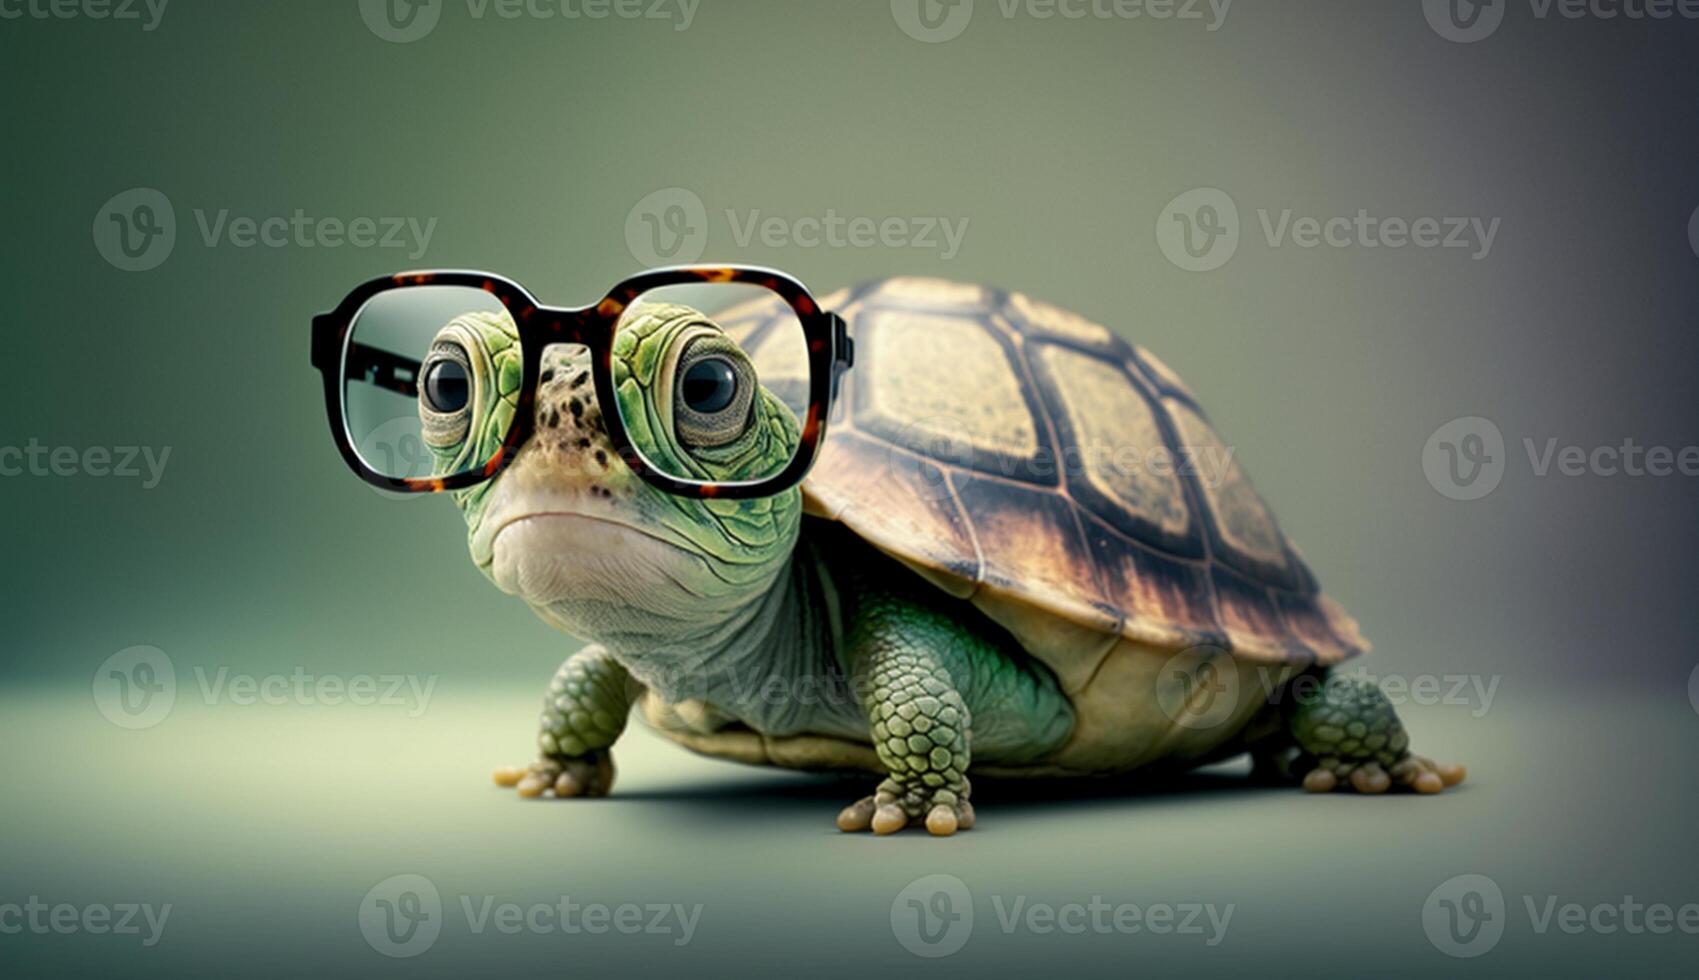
{"x": 584, "y": 712}
{"x": 1348, "y": 734}
{"x": 920, "y": 724}
{"x": 938, "y": 684}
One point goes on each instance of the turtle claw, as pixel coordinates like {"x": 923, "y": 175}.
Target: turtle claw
{"x": 858, "y": 816}
{"x": 943, "y": 812}
{"x": 1426, "y": 776}
{"x": 889, "y": 819}
{"x": 1369, "y": 778}
{"x": 583, "y": 775}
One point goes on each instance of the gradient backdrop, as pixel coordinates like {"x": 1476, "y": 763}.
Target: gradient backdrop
{"x": 529, "y": 146}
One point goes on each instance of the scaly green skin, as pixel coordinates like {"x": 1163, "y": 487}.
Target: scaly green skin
{"x": 1351, "y": 720}
{"x": 1347, "y": 733}
{"x": 584, "y": 713}
{"x": 938, "y": 684}
{"x": 586, "y": 706}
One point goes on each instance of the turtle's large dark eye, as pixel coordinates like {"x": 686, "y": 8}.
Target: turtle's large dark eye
{"x": 445, "y": 395}
{"x": 712, "y": 396}
{"x": 709, "y": 385}
{"x": 446, "y": 386}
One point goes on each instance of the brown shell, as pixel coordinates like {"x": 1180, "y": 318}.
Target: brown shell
{"x": 1012, "y": 452}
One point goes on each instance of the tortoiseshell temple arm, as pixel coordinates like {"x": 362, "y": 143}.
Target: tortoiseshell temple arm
{"x": 844, "y": 346}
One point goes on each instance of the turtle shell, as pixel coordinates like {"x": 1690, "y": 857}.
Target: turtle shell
{"x": 1068, "y": 484}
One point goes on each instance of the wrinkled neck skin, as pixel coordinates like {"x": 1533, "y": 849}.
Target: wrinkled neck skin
{"x": 763, "y": 652}
{"x": 770, "y": 662}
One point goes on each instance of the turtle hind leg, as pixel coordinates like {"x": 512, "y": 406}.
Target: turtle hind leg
{"x": 1348, "y": 735}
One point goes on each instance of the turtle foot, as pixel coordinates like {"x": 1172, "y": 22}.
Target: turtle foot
{"x": 1413, "y": 772}
{"x": 1349, "y": 736}
{"x": 580, "y": 775}
{"x": 892, "y": 807}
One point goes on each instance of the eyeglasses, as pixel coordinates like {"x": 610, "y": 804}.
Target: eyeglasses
{"x": 709, "y": 381}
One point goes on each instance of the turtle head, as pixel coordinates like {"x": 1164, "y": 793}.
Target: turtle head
{"x": 572, "y": 530}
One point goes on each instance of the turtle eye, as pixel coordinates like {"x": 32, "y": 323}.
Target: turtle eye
{"x": 445, "y": 394}
{"x": 715, "y": 388}
{"x": 447, "y": 388}
{"x": 708, "y": 386}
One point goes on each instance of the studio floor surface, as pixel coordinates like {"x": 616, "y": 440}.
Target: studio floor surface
{"x": 275, "y": 834}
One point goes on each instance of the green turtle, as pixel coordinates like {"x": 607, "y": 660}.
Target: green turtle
{"x": 1023, "y": 552}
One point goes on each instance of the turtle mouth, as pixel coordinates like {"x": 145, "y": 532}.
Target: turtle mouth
{"x": 591, "y": 525}
{"x": 563, "y": 560}
{"x": 569, "y": 532}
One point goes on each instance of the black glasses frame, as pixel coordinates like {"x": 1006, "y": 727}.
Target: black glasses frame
{"x": 830, "y": 353}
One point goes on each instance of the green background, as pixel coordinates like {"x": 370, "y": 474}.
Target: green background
{"x": 1059, "y": 143}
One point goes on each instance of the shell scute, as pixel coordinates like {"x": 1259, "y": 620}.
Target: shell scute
{"x": 997, "y": 432}
{"x": 1242, "y": 528}
{"x": 1029, "y": 544}
{"x": 1052, "y": 322}
{"x": 1115, "y": 452}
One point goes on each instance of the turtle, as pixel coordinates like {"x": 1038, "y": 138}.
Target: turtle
{"x": 1023, "y": 552}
